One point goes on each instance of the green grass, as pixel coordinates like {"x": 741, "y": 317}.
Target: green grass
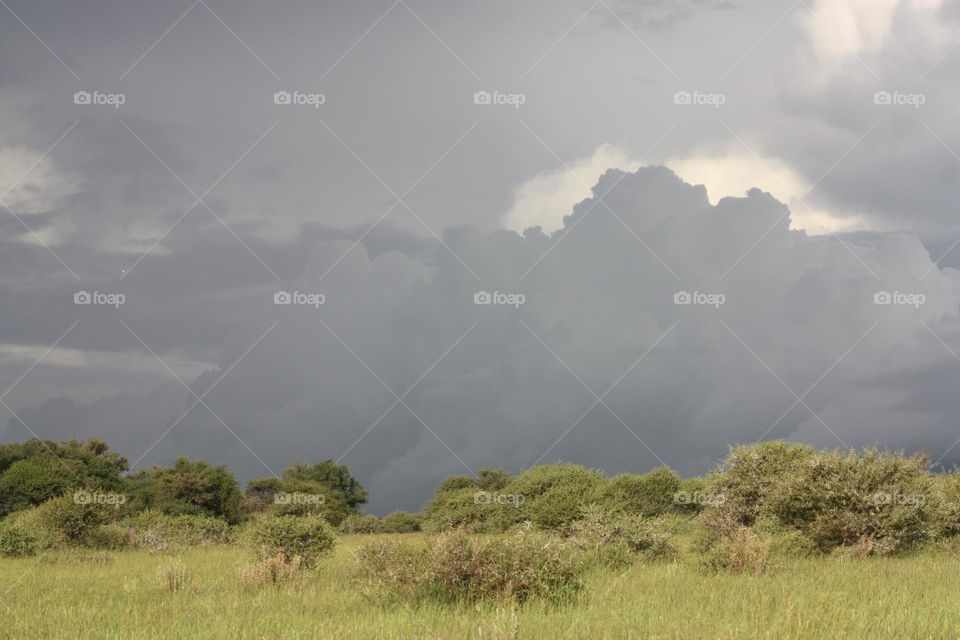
{"x": 103, "y": 595}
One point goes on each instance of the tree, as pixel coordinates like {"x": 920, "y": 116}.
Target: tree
{"x": 35, "y": 471}
{"x": 187, "y": 487}
{"x": 305, "y": 489}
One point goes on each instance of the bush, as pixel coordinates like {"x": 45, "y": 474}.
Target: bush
{"x": 64, "y": 521}
{"x": 835, "y": 499}
{"x": 309, "y": 537}
{"x": 275, "y": 570}
{"x": 456, "y": 568}
{"x": 15, "y": 540}
{"x": 650, "y": 494}
{"x": 743, "y": 551}
{"x": 108, "y": 536}
{"x": 401, "y": 522}
{"x": 616, "y": 538}
{"x": 359, "y": 523}
{"x": 552, "y": 496}
{"x": 154, "y": 529}
{"x": 841, "y": 499}
{"x": 474, "y": 510}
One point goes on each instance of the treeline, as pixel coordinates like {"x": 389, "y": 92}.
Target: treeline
{"x": 790, "y": 494}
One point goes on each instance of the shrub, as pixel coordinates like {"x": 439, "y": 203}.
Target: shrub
{"x": 456, "y": 568}
{"x": 275, "y": 570}
{"x": 15, "y": 540}
{"x": 154, "y": 529}
{"x": 743, "y": 551}
{"x": 401, "y": 522}
{"x": 750, "y": 476}
{"x": 616, "y": 538}
{"x": 306, "y": 536}
{"x": 474, "y": 510}
{"x": 359, "y": 523}
{"x": 945, "y": 504}
{"x": 840, "y": 499}
{"x": 108, "y": 536}
{"x": 648, "y": 495}
{"x": 64, "y": 521}
{"x": 554, "y": 494}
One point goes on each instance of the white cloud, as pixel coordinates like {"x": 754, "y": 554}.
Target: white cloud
{"x": 546, "y": 198}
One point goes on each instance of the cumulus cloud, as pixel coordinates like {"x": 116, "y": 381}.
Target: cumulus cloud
{"x": 494, "y": 384}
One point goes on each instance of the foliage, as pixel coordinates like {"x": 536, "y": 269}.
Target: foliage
{"x": 189, "y": 487}
{"x": 35, "y": 471}
{"x": 401, "y": 522}
{"x": 360, "y": 523}
{"x": 616, "y": 538}
{"x": 742, "y": 551}
{"x": 308, "y": 537}
{"x": 308, "y": 489}
{"x": 276, "y": 570}
{"x": 156, "y": 530}
{"x": 648, "y": 495}
{"x": 16, "y": 540}
{"x": 456, "y": 567}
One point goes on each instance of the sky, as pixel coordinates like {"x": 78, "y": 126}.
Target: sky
{"x": 423, "y": 237}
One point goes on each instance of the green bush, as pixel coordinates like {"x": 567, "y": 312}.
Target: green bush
{"x": 15, "y": 540}
{"x": 359, "y": 523}
{"x": 742, "y": 551}
{"x": 458, "y": 568}
{"x": 552, "y": 496}
{"x": 66, "y": 521}
{"x": 474, "y": 510}
{"x": 876, "y": 500}
{"x": 152, "y": 529}
{"x": 401, "y": 522}
{"x": 617, "y": 538}
{"x": 308, "y": 537}
{"x": 647, "y": 495}
{"x": 108, "y": 536}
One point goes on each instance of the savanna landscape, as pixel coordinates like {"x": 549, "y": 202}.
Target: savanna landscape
{"x": 780, "y": 541}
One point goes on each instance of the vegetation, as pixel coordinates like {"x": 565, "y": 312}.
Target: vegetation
{"x": 779, "y": 533}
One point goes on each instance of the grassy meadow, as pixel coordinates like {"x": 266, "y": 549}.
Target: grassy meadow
{"x": 83, "y": 593}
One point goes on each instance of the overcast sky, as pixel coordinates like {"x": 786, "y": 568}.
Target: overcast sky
{"x": 789, "y": 169}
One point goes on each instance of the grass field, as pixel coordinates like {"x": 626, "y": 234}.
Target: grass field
{"x": 92, "y": 594}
